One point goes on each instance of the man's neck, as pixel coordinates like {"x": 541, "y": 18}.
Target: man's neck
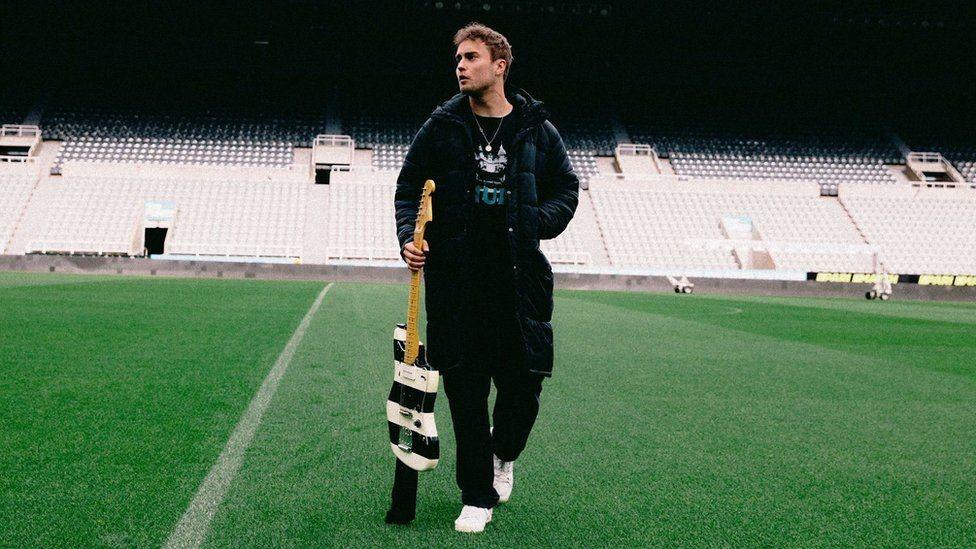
{"x": 491, "y": 103}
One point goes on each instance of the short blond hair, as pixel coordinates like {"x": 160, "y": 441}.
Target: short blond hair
{"x": 496, "y": 42}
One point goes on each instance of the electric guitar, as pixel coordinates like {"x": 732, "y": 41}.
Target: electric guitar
{"x": 410, "y": 405}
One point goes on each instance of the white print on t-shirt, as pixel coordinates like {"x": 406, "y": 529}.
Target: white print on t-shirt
{"x": 490, "y": 176}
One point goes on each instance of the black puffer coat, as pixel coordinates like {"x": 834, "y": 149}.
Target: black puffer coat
{"x": 544, "y": 191}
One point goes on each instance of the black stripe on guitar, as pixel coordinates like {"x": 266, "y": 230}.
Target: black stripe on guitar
{"x": 412, "y": 399}
{"x": 427, "y": 447}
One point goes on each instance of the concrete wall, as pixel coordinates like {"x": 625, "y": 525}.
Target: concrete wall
{"x": 400, "y": 275}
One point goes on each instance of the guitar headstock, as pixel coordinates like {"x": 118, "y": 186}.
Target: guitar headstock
{"x": 425, "y": 213}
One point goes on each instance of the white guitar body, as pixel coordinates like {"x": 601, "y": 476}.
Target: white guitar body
{"x": 410, "y": 408}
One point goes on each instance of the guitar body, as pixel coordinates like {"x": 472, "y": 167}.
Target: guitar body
{"x": 410, "y": 407}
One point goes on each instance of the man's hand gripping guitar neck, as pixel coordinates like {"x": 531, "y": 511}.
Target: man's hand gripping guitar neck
{"x": 415, "y": 258}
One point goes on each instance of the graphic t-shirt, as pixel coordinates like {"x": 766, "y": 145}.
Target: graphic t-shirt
{"x": 491, "y": 151}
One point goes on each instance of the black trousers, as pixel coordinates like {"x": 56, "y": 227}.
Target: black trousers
{"x": 491, "y": 352}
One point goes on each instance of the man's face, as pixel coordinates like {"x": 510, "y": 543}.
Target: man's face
{"x": 475, "y": 70}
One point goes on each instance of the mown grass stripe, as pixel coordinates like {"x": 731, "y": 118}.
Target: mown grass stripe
{"x": 193, "y": 526}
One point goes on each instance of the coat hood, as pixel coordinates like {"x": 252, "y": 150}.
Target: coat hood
{"x": 529, "y": 111}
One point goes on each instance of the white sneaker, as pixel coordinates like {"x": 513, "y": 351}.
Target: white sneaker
{"x": 472, "y": 519}
{"x": 504, "y": 478}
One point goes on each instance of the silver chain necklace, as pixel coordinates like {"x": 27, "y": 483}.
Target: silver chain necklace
{"x": 488, "y": 147}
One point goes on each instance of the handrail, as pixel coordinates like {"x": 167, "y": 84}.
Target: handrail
{"x": 925, "y": 157}
{"x": 20, "y": 130}
{"x": 634, "y": 149}
{"x": 782, "y": 246}
{"x": 334, "y": 140}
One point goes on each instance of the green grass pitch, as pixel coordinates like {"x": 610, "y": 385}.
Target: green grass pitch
{"x": 690, "y": 420}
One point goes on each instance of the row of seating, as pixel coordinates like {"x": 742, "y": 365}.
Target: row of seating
{"x": 967, "y": 168}
{"x": 153, "y": 150}
{"x": 828, "y": 171}
{"x": 389, "y": 156}
{"x": 72, "y": 123}
{"x": 863, "y": 144}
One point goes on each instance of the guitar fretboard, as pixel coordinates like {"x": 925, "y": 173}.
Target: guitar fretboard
{"x": 424, "y": 214}
{"x": 413, "y": 306}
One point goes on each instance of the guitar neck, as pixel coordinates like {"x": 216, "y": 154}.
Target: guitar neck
{"x": 413, "y": 307}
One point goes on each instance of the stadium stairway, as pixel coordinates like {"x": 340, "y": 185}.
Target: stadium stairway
{"x": 316, "y": 242}
{"x": 25, "y": 228}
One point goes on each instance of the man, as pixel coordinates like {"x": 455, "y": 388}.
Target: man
{"x": 503, "y": 181}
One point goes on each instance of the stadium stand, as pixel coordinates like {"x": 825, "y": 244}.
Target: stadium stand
{"x": 257, "y": 220}
{"x": 360, "y": 215}
{"x": 666, "y": 222}
{"x": 225, "y": 217}
{"x": 749, "y": 199}
{"x": 919, "y": 230}
{"x": 689, "y": 137}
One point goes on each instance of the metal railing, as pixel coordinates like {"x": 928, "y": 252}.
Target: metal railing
{"x": 363, "y": 252}
{"x": 20, "y": 130}
{"x": 334, "y": 141}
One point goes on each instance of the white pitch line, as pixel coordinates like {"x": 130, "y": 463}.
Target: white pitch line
{"x": 193, "y": 527}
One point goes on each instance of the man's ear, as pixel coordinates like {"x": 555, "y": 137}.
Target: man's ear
{"x": 502, "y": 61}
